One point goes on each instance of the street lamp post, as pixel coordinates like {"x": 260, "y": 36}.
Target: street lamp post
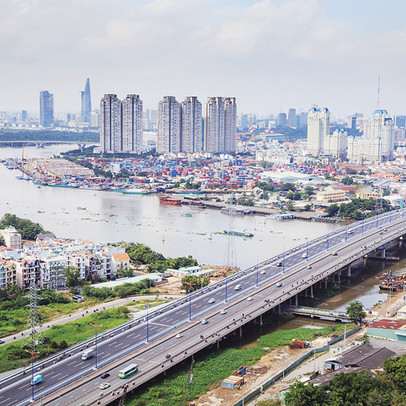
{"x": 190, "y": 298}
{"x": 327, "y": 242}
{"x": 257, "y": 274}
{"x": 307, "y": 250}
{"x": 283, "y": 261}
{"x": 96, "y": 326}
{"x": 32, "y": 373}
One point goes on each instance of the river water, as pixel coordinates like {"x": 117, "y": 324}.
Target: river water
{"x": 114, "y": 216}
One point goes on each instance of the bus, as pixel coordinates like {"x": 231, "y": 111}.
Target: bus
{"x": 127, "y": 371}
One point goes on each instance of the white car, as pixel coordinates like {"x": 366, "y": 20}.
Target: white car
{"x": 279, "y": 284}
{"x": 250, "y": 299}
{"x": 263, "y": 272}
{"x": 104, "y": 385}
{"x": 304, "y": 255}
{"x": 212, "y": 300}
{"x": 179, "y": 335}
{"x": 238, "y": 287}
{"x": 223, "y": 311}
{"x": 204, "y": 321}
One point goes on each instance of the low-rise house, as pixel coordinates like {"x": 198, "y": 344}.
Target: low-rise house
{"x": 11, "y": 237}
{"x": 119, "y": 261}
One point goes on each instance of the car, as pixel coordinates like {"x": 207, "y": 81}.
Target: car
{"x": 179, "y": 335}
{"x": 36, "y": 380}
{"x": 350, "y": 231}
{"x": 279, "y": 284}
{"x": 2, "y": 341}
{"x": 279, "y": 264}
{"x": 212, "y": 300}
{"x": 238, "y": 287}
{"x": 309, "y": 267}
{"x": 104, "y": 385}
{"x": 335, "y": 253}
{"x": 250, "y": 299}
{"x": 167, "y": 356}
{"x": 104, "y": 375}
{"x": 266, "y": 300}
{"x": 263, "y": 272}
{"x": 204, "y": 321}
{"x": 304, "y": 255}
{"x": 223, "y": 311}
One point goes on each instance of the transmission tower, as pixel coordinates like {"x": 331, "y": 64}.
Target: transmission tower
{"x": 188, "y": 383}
{"x": 34, "y": 326}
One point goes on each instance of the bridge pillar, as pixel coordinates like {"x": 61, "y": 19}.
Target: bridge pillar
{"x": 325, "y": 282}
{"x": 400, "y": 241}
{"x": 218, "y": 344}
{"x": 311, "y": 292}
{"x": 383, "y": 253}
{"x": 279, "y": 309}
{"x": 339, "y": 276}
{"x": 349, "y": 271}
{"x": 260, "y": 320}
{"x": 365, "y": 259}
{"x": 240, "y": 332}
{"x": 296, "y": 300}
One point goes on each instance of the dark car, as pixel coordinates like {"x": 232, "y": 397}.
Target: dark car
{"x": 1, "y": 341}
{"x": 104, "y": 375}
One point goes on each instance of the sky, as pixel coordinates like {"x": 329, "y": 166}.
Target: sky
{"x": 270, "y": 54}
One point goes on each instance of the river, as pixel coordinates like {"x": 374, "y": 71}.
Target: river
{"x": 114, "y": 216}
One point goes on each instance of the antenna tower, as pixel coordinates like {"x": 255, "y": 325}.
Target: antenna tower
{"x": 34, "y": 325}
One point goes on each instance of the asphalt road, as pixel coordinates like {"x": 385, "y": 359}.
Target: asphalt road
{"x": 275, "y": 280}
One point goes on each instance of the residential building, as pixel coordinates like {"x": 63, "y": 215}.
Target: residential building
{"x": 110, "y": 129}
{"x": 24, "y": 115}
{"x": 86, "y": 103}
{"x": 318, "y": 127}
{"x": 331, "y": 196}
{"x": 132, "y": 125}
{"x": 119, "y": 261}
{"x": 336, "y": 144}
{"x": 221, "y": 125}
{"x": 381, "y": 126}
{"x": 364, "y": 149}
{"x": 28, "y": 271}
{"x": 192, "y": 140}
{"x": 46, "y": 107}
{"x": 52, "y": 271}
{"x": 11, "y": 237}
{"x": 7, "y": 274}
{"x": 95, "y": 119}
{"x": 169, "y": 126}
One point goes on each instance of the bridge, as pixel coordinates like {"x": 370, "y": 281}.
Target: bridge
{"x": 169, "y": 335}
{"x": 40, "y": 143}
{"x": 324, "y": 314}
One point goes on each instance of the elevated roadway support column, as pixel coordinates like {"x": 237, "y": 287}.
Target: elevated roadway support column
{"x": 261, "y": 323}
{"x": 218, "y": 344}
{"x": 240, "y": 332}
{"x": 311, "y": 291}
{"x": 349, "y": 271}
{"x": 325, "y": 282}
{"x": 400, "y": 241}
{"x": 296, "y": 300}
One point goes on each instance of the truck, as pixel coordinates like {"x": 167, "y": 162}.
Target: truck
{"x": 87, "y": 354}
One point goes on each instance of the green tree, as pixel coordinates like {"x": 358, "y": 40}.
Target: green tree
{"x": 354, "y": 311}
{"x": 73, "y": 279}
{"x": 305, "y": 395}
{"x": 395, "y": 370}
{"x": 309, "y": 190}
{"x": 332, "y": 210}
{"x": 347, "y": 181}
{"x": 190, "y": 283}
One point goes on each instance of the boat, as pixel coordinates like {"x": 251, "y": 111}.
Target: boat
{"x": 186, "y": 215}
{"x": 136, "y": 191}
{"x": 233, "y": 210}
{"x": 284, "y": 216}
{"x": 171, "y": 201}
{"x": 238, "y": 233}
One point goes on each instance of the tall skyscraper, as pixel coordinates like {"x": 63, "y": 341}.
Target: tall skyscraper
{"x": 132, "y": 123}
{"x": 230, "y": 123}
{"x": 318, "y": 127}
{"x": 46, "y": 108}
{"x": 381, "y": 126}
{"x": 220, "y": 132}
{"x": 169, "y": 126}
{"x": 110, "y": 127}
{"x": 292, "y": 118}
{"x": 24, "y": 115}
{"x": 86, "y": 103}
{"x": 282, "y": 120}
{"x": 191, "y": 126}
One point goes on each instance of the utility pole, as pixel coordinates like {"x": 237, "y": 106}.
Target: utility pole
{"x": 96, "y": 326}
{"x": 190, "y": 284}
{"x": 32, "y": 373}
{"x": 188, "y": 382}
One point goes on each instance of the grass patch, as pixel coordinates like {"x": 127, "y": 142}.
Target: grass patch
{"x": 209, "y": 371}
{"x": 15, "y": 320}
{"x": 58, "y": 337}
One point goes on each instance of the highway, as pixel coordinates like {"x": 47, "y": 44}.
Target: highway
{"x": 152, "y": 341}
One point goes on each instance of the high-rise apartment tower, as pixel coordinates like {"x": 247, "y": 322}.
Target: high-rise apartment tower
{"x": 191, "y": 127}
{"x": 110, "y": 127}
{"x": 169, "y": 126}
{"x": 132, "y": 123}
{"x": 46, "y": 107}
{"x": 318, "y": 127}
{"x": 86, "y": 103}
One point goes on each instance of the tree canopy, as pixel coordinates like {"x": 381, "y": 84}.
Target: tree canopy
{"x": 28, "y": 229}
{"x": 354, "y": 311}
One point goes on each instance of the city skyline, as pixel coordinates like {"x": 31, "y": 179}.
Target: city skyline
{"x": 263, "y": 52}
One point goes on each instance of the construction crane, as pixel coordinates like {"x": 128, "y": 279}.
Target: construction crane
{"x": 188, "y": 383}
